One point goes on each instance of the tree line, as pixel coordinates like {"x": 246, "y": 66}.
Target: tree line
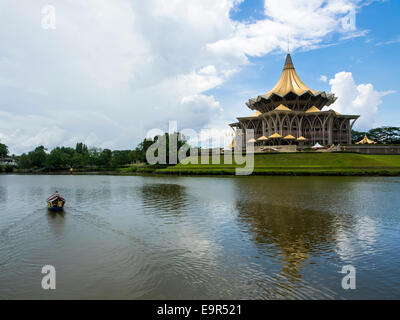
{"x": 382, "y": 135}
{"x": 84, "y": 157}
{"x": 3, "y": 151}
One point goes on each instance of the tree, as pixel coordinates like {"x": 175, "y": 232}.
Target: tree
{"x": 81, "y": 148}
{"x": 120, "y": 158}
{"x": 382, "y": 135}
{"x": 139, "y": 154}
{"x": 385, "y": 135}
{"x": 105, "y": 157}
{"x": 3, "y": 150}
{"x": 38, "y": 157}
{"x": 60, "y": 158}
{"x": 81, "y": 156}
{"x": 24, "y": 162}
{"x": 94, "y": 155}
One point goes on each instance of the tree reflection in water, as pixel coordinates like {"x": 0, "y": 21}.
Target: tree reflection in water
{"x": 168, "y": 199}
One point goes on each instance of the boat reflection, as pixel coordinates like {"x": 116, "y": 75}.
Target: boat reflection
{"x": 56, "y": 221}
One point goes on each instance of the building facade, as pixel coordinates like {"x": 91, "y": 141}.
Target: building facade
{"x": 292, "y": 113}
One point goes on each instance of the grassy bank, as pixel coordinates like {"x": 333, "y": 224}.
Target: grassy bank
{"x": 333, "y": 164}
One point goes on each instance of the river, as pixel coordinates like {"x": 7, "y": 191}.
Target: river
{"x": 144, "y": 237}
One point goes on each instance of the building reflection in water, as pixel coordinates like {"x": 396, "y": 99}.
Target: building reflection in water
{"x": 297, "y": 234}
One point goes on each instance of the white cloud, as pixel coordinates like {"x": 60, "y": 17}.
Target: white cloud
{"x": 31, "y": 130}
{"x": 323, "y": 78}
{"x": 361, "y": 99}
{"x": 355, "y": 34}
{"x": 197, "y": 111}
{"x": 393, "y": 41}
{"x": 305, "y": 22}
{"x": 111, "y": 70}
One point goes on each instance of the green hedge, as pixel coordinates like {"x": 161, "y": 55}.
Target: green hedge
{"x": 6, "y": 168}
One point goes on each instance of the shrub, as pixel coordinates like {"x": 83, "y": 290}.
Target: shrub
{"x": 8, "y": 168}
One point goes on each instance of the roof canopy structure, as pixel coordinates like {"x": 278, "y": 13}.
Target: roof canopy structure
{"x": 281, "y": 107}
{"x": 275, "y": 136}
{"x": 256, "y": 114}
{"x": 289, "y": 137}
{"x": 313, "y": 109}
{"x": 292, "y": 92}
{"x": 290, "y": 81}
{"x": 365, "y": 140}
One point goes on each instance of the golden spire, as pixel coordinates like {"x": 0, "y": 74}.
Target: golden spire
{"x": 290, "y": 81}
{"x": 288, "y": 62}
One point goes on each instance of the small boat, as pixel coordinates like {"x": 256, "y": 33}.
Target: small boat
{"x": 55, "y": 202}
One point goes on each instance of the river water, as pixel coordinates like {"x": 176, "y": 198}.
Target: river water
{"x": 143, "y": 237}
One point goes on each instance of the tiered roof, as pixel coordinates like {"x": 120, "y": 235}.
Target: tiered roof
{"x": 290, "y": 88}
{"x": 290, "y": 82}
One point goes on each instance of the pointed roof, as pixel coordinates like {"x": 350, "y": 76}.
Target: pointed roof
{"x": 275, "y": 136}
{"x": 288, "y": 85}
{"x": 289, "y": 137}
{"x": 313, "y": 109}
{"x": 282, "y": 108}
{"x": 317, "y": 146}
{"x": 288, "y": 62}
{"x": 256, "y": 114}
{"x": 366, "y": 141}
{"x": 290, "y": 81}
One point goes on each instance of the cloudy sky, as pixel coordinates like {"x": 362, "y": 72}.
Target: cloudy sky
{"x": 106, "y": 72}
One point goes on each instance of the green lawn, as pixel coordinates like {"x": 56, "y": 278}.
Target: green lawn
{"x": 301, "y": 164}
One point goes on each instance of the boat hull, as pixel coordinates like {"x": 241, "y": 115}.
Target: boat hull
{"x": 55, "y": 209}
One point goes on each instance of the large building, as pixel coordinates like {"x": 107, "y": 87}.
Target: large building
{"x": 292, "y": 112}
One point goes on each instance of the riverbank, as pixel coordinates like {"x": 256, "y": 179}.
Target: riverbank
{"x": 293, "y": 164}
{"x": 133, "y": 169}
{"x": 299, "y": 164}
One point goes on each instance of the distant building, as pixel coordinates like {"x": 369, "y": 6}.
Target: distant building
{"x": 291, "y": 113}
{"x": 8, "y": 161}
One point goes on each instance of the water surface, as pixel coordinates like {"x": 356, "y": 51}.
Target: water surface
{"x": 201, "y": 237}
